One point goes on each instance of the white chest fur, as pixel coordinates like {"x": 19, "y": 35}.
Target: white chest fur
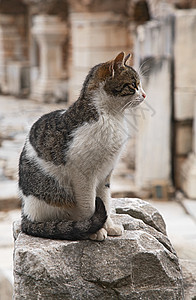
{"x": 96, "y": 147}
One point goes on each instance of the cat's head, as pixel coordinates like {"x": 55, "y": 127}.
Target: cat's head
{"x": 116, "y": 84}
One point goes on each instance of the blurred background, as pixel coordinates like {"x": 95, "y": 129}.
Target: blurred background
{"x": 46, "y": 50}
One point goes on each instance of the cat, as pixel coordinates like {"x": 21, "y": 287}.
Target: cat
{"x": 69, "y": 155}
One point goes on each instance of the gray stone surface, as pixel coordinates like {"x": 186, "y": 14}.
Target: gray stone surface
{"x": 6, "y": 253}
{"x": 141, "y": 264}
{"x": 189, "y": 275}
{"x": 140, "y": 209}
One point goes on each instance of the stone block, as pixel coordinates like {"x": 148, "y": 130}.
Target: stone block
{"x": 188, "y": 176}
{"x": 96, "y": 38}
{"x": 91, "y": 30}
{"x": 184, "y": 104}
{"x": 121, "y": 32}
{"x": 183, "y": 139}
{"x": 18, "y": 78}
{"x": 185, "y": 48}
{"x": 140, "y": 264}
{"x": 179, "y": 162}
{"x": 86, "y": 58}
{"x": 189, "y": 275}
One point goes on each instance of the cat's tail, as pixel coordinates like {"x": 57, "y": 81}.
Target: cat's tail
{"x": 67, "y": 230}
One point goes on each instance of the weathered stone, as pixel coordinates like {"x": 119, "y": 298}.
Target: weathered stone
{"x": 189, "y": 275}
{"x": 184, "y": 103}
{"x": 179, "y": 162}
{"x": 183, "y": 138}
{"x": 16, "y": 229}
{"x": 188, "y": 171}
{"x": 141, "y": 264}
{"x": 184, "y": 49}
{"x": 140, "y": 209}
{"x": 188, "y": 176}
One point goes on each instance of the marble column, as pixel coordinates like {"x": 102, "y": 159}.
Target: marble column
{"x": 96, "y": 38}
{"x": 10, "y": 47}
{"x": 50, "y": 33}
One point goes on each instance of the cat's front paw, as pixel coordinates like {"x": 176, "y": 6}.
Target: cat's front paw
{"x": 115, "y": 230}
{"x": 100, "y": 235}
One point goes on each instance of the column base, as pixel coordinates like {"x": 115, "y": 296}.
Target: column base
{"x": 188, "y": 176}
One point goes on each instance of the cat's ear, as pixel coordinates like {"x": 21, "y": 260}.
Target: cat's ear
{"x": 109, "y": 68}
{"x": 118, "y": 61}
{"x": 127, "y": 59}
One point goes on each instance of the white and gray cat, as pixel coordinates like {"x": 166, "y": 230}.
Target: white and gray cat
{"x": 67, "y": 160}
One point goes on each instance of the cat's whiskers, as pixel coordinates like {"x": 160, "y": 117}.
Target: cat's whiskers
{"x": 143, "y": 68}
{"x": 130, "y": 104}
{"x": 144, "y": 73}
{"x": 126, "y": 105}
{"x": 133, "y": 103}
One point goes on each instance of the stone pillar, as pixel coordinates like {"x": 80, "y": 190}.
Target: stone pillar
{"x": 185, "y": 97}
{"x": 188, "y": 170}
{"x": 50, "y": 33}
{"x": 10, "y": 47}
{"x": 153, "y": 148}
{"x": 96, "y": 38}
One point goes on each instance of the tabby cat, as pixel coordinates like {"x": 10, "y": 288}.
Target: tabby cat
{"x": 69, "y": 155}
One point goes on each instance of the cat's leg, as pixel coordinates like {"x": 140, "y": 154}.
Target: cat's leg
{"x": 85, "y": 194}
{"x": 103, "y": 191}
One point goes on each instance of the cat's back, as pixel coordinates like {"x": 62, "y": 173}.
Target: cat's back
{"x": 51, "y": 135}
{"x": 48, "y": 136}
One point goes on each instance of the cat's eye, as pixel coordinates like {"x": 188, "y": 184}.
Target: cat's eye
{"x": 134, "y": 85}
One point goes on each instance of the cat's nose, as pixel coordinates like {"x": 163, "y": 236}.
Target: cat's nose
{"x": 143, "y": 95}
